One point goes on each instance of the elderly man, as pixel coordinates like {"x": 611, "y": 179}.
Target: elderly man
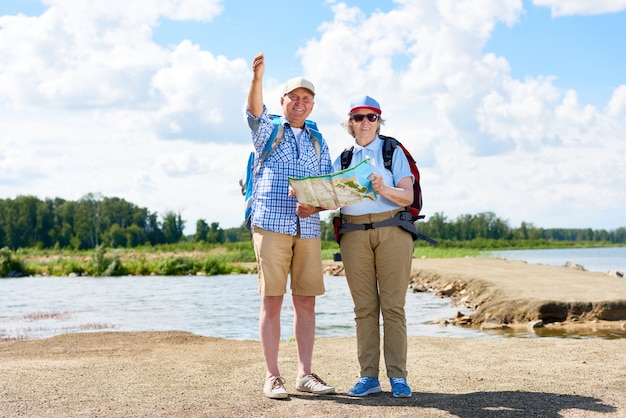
{"x": 286, "y": 234}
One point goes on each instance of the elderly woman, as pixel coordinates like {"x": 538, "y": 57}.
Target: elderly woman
{"x": 377, "y": 257}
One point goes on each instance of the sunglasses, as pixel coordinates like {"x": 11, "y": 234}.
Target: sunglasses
{"x": 372, "y": 117}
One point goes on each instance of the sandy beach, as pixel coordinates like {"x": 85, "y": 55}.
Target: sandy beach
{"x": 177, "y": 374}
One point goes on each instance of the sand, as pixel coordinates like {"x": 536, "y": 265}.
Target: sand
{"x": 177, "y": 374}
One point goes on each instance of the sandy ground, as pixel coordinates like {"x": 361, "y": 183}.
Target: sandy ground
{"x": 177, "y": 374}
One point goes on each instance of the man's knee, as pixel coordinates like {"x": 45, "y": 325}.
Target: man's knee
{"x": 304, "y": 303}
{"x": 272, "y": 305}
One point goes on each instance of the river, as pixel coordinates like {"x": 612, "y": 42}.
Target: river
{"x": 223, "y": 306}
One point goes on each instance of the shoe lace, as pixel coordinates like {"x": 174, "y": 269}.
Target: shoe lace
{"x": 318, "y": 379}
{"x": 363, "y": 380}
{"x": 277, "y": 382}
{"x": 398, "y": 381}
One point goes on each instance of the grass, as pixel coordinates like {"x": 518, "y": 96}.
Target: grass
{"x": 190, "y": 258}
{"x": 164, "y": 261}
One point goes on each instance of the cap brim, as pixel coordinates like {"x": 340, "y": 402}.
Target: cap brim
{"x": 299, "y": 87}
{"x": 373, "y": 109}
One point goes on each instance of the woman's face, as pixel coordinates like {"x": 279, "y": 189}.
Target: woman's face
{"x": 364, "y": 123}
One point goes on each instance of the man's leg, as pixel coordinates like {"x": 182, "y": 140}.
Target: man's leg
{"x": 304, "y": 330}
{"x": 273, "y": 254}
{"x": 307, "y": 282}
{"x": 269, "y": 332}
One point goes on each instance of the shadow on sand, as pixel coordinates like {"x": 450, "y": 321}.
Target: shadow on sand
{"x": 505, "y": 404}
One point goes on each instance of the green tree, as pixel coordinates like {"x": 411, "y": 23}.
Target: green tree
{"x": 65, "y": 223}
{"x": 216, "y": 234}
{"x": 153, "y": 230}
{"x": 436, "y": 226}
{"x": 202, "y": 231}
{"x": 173, "y": 227}
{"x": 25, "y": 222}
{"x": 91, "y": 210}
{"x": 114, "y": 237}
{"x": 135, "y": 236}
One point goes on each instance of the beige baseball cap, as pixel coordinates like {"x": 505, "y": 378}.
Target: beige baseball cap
{"x": 296, "y": 83}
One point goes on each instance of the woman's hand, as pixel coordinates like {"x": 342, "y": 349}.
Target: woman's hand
{"x": 402, "y": 195}
{"x": 377, "y": 182}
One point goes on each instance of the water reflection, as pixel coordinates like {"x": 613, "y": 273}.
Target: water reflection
{"x": 607, "y": 334}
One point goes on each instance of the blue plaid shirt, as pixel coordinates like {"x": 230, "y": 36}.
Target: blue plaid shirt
{"x": 272, "y": 207}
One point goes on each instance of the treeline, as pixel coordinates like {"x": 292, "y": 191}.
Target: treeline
{"x": 94, "y": 220}
{"x": 29, "y": 222}
{"x": 487, "y": 226}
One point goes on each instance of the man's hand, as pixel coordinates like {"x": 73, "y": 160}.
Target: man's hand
{"x": 258, "y": 65}
{"x": 304, "y": 211}
{"x": 255, "y": 96}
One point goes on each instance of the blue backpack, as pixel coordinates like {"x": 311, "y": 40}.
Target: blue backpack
{"x": 276, "y": 138}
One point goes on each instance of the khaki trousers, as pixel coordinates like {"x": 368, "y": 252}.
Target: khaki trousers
{"x": 378, "y": 264}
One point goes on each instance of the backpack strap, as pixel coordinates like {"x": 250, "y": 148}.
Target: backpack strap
{"x": 346, "y": 157}
{"x": 389, "y": 146}
{"x": 276, "y": 138}
{"x": 316, "y": 137}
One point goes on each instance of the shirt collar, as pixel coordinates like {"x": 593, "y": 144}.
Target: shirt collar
{"x": 372, "y": 146}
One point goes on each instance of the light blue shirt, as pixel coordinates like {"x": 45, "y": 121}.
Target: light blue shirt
{"x": 399, "y": 169}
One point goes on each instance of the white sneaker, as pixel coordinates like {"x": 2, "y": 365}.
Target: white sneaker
{"x": 274, "y": 388}
{"x": 313, "y": 384}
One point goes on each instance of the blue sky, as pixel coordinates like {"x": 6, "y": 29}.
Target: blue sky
{"x": 515, "y": 107}
{"x": 581, "y": 52}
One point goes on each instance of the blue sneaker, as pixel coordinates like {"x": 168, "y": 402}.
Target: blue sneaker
{"x": 400, "y": 388}
{"x": 365, "y": 386}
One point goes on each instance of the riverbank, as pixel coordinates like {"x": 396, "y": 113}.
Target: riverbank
{"x": 514, "y": 294}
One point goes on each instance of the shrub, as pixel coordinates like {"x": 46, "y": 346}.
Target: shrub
{"x": 9, "y": 266}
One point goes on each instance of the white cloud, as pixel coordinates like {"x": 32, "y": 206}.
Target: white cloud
{"x": 570, "y": 113}
{"x": 62, "y": 59}
{"x": 197, "y": 91}
{"x": 139, "y": 11}
{"x": 86, "y": 52}
{"x": 582, "y": 7}
{"x": 617, "y": 104}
